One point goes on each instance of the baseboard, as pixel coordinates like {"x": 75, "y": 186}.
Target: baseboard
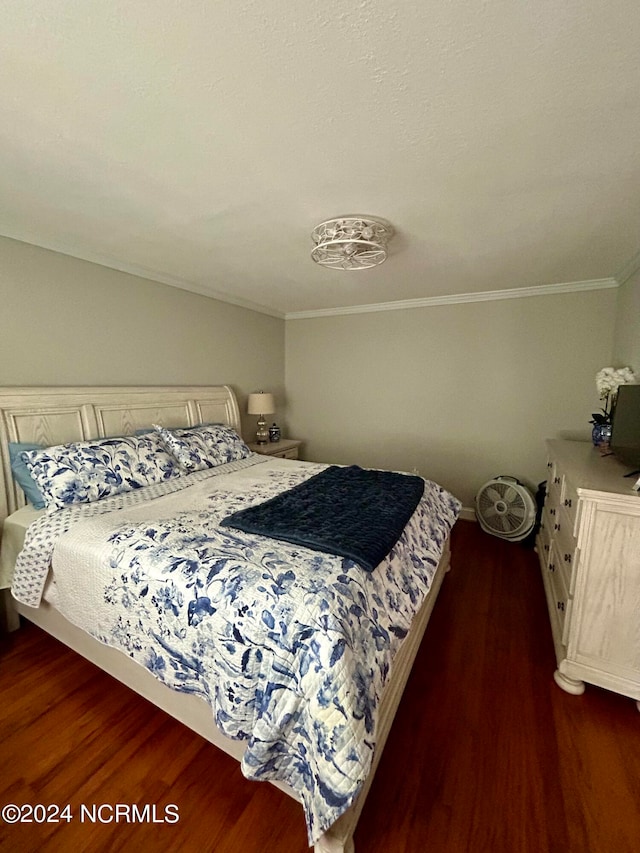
{"x": 467, "y": 513}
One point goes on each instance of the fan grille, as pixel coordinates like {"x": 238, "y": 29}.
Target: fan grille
{"x": 503, "y": 510}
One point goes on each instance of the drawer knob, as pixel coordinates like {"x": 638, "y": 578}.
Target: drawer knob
{"x": 567, "y": 501}
{"x": 556, "y": 526}
{"x": 561, "y": 605}
{"x": 552, "y": 567}
{"x": 567, "y": 558}
{"x": 556, "y": 480}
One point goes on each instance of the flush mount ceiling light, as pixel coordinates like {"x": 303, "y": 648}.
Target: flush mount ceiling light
{"x": 351, "y": 242}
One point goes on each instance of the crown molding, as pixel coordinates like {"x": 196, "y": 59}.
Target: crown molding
{"x": 630, "y": 268}
{"x": 458, "y": 298}
{"x": 404, "y": 304}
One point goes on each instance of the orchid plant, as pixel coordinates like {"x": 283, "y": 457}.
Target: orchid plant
{"x": 608, "y": 380}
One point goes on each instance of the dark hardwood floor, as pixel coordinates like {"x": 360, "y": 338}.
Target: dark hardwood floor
{"x": 487, "y": 754}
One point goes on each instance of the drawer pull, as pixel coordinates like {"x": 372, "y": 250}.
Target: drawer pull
{"x": 556, "y": 526}
{"x": 567, "y": 501}
{"x": 567, "y": 558}
{"x": 552, "y": 511}
{"x": 552, "y": 567}
{"x": 556, "y": 480}
{"x": 561, "y": 605}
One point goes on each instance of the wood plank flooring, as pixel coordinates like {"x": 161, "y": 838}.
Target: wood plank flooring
{"x": 487, "y": 754}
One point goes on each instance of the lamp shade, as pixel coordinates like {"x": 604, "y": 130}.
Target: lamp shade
{"x": 260, "y": 404}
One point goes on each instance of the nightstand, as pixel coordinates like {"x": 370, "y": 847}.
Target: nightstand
{"x": 286, "y": 448}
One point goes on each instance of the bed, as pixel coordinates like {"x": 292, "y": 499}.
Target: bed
{"x": 55, "y": 416}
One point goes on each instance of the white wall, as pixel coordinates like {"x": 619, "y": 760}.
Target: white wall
{"x": 459, "y": 392}
{"x": 71, "y": 322}
{"x": 627, "y": 328}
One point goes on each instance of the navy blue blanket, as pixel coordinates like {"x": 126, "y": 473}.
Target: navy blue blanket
{"x": 349, "y": 511}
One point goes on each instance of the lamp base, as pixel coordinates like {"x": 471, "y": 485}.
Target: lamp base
{"x": 262, "y": 433}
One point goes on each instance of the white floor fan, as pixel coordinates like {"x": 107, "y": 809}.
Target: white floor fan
{"x": 506, "y": 508}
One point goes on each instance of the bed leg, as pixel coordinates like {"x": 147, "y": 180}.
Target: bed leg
{"x": 9, "y": 619}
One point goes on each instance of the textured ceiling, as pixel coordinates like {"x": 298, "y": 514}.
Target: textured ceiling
{"x": 199, "y": 143}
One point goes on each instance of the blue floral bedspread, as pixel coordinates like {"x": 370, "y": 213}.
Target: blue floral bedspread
{"x": 290, "y": 647}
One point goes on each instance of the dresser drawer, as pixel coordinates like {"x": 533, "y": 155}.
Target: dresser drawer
{"x": 554, "y": 485}
{"x": 550, "y": 517}
{"x": 561, "y": 523}
{"x": 289, "y": 454}
{"x": 569, "y": 502}
{"x": 559, "y": 590}
{"x": 567, "y": 551}
{"x": 286, "y": 448}
{"x": 544, "y": 537}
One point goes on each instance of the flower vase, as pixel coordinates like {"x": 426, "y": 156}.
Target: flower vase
{"x": 601, "y": 434}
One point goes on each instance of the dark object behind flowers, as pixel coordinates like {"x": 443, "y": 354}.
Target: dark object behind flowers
{"x": 349, "y": 511}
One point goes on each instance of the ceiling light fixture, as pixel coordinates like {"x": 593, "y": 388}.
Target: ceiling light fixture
{"x": 351, "y": 242}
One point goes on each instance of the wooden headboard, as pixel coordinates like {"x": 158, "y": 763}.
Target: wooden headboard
{"x": 51, "y": 416}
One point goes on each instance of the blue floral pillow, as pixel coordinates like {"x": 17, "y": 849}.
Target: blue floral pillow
{"x": 188, "y": 447}
{"x": 200, "y": 447}
{"x": 226, "y": 443}
{"x": 86, "y": 471}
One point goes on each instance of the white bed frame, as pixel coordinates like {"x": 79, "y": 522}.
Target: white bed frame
{"x": 59, "y": 415}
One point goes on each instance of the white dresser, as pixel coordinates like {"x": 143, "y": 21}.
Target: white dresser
{"x": 589, "y": 550}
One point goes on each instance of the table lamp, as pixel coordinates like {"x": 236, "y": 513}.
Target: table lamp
{"x": 261, "y": 404}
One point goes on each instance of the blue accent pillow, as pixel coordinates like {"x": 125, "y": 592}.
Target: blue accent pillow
{"x": 21, "y": 473}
